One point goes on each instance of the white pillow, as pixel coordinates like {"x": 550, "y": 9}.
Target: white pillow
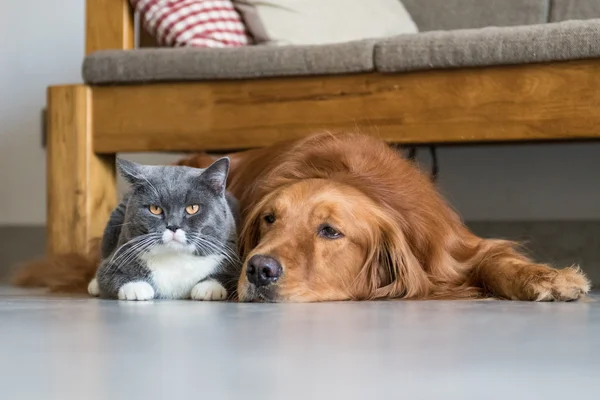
{"x": 323, "y": 21}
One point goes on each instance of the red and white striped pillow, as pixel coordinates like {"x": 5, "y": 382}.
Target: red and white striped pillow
{"x": 198, "y": 23}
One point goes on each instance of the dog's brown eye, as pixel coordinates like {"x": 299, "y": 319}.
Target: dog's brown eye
{"x": 328, "y": 232}
{"x": 269, "y": 218}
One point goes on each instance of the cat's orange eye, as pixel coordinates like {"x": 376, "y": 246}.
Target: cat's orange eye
{"x": 156, "y": 210}
{"x": 193, "y": 209}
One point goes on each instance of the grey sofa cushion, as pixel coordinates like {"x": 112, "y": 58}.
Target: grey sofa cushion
{"x": 562, "y": 10}
{"x": 571, "y": 40}
{"x": 432, "y": 15}
{"x": 184, "y": 64}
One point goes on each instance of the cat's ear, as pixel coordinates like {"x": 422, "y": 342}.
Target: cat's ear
{"x": 130, "y": 171}
{"x": 215, "y": 176}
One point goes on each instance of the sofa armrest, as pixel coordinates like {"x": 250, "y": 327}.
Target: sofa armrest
{"x": 108, "y": 25}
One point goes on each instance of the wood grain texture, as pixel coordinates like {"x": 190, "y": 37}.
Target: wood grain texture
{"x": 527, "y": 102}
{"x": 109, "y": 25}
{"x": 81, "y": 186}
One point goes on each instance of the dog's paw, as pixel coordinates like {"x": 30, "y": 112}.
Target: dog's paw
{"x": 208, "y": 290}
{"x": 559, "y": 285}
{"x": 136, "y": 291}
{"x": 93, "y": 288}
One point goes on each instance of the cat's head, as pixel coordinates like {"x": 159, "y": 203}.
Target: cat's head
{"x": 177, "y": 208}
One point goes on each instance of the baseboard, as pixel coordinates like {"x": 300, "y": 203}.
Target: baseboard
{"x": 559, "y": 243}
{"x": 18, "y": 244}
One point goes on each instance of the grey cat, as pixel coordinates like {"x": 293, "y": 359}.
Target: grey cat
{"x": 173, "y": 236}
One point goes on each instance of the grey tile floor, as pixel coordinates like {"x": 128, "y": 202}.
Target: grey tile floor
{"x": 79, "y": 348}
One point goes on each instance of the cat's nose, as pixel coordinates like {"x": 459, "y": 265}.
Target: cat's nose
{"x": 263, "y": 270}
{"x": 172, "y": 227}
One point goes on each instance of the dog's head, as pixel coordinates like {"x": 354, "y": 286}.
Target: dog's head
{"x": 318, "y": 240}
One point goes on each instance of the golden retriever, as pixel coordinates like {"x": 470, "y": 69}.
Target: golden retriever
{"x": 345, "y": 216}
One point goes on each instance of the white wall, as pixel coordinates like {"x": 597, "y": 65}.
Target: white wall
{"x": 42, "y": 42}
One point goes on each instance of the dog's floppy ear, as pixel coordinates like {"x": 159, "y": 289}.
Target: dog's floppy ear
{"x": 392, "y": 270}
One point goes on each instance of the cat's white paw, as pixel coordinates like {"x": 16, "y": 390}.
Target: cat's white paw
{"x": 136, "y": 291}
{"x": 93, "y": 288}
{"x": 208, "y": 290}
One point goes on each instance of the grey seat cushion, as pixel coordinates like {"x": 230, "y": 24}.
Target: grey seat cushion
{"x": 436, "y": 15}
{"x": 570, "y": 40}
{"x": 562, "y": 10}
{"x": 189, "y": 64}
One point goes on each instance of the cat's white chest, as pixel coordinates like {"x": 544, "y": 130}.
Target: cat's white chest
{"x": 175, "y": 274}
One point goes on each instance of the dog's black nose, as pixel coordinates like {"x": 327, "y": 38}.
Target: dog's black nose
{"x": 262, "y": 270}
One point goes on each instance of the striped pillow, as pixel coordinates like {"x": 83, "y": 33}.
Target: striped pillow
{"x": 195, "y": 23}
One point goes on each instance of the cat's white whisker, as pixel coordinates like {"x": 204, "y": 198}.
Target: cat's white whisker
{"x": 135, "y": 244}
{"x": 125, "y": 245}
{"x": 118, "y": 225}
{"x": 126, "y": 249}
{"x": 139, "y": 249}
{"x": 204, "y": 243}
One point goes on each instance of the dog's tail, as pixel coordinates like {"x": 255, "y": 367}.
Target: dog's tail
{"x": 68, "y": 273}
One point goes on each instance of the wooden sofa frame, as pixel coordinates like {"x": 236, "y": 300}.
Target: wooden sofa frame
{"x": 88, "y": 125}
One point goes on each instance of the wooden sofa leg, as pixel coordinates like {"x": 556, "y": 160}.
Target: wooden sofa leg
{"x": 81, "y": 185}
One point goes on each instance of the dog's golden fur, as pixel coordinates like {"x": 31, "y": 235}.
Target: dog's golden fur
{"x": 399, "y": 237}
{"x": 66, "y": 273}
